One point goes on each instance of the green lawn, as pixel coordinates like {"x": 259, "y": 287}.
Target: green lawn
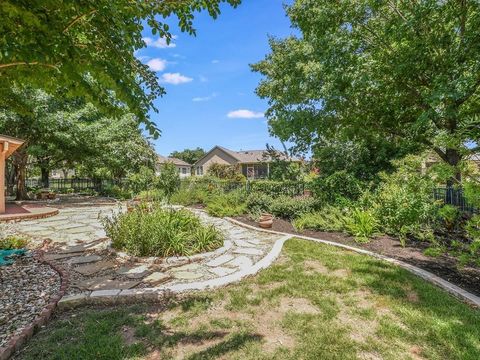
{"x": 316, "y": 302}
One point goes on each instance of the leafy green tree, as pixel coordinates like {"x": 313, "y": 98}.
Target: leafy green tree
{"x": 69, "y": 134}
{"x": 168, "y": 180}
{"x": 88, "y": 47}
{"x": 190, "y": 156}
{"x": 403, "y": 71}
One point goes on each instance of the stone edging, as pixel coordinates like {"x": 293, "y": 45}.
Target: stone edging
{"x": 455, "y": 290}
{"x": 29, "y": 216}
{"x": 109, "y": 297}
{"x": 15, "y": 343}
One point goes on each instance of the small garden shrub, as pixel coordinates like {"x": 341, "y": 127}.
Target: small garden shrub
{"x": 13, "y": 242}
{"x": 290, "y": 208}
{"x": 329, "y": 218}
{"x": 189, "y": 196}
{"x": 228, "y": 204}
{"x": 151, "y": 195}
{"x": 116, "y": 192}
{"x": 361, "y": 224}
{"x": 161, "y": 232}
{"x": 449, "y": 215}
{"x": 258, "y": 203}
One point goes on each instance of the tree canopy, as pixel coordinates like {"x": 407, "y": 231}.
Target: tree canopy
{"x": 190, "y": 156}
{"x": 67, "y": 134}
{"x": 88, "y": 47}
{"x": 401, "y": 71}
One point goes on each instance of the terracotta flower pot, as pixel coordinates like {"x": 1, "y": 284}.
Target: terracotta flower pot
{"x": 266, "y": 217}
{"x": 266, "y": 224}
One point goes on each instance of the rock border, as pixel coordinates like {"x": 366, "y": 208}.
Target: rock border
{"x": 16, "y": 343}
{"x": 29, "y": 216}
{"x": 455, "y": 290}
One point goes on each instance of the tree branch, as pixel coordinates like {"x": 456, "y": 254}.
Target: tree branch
{"x": 20, "y": 63}
{"x": 77, "y": 19}
{"x": 441, "y": 153}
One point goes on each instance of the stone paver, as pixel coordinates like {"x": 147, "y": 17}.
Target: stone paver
{"x": 157, "y": 278}
{"x": 105, "y": 284}
{"x": 220, "y": 260}
{"x": 85, "y": 259}
{"x": 222, "y": 271}
{"x": 94, "y": 268}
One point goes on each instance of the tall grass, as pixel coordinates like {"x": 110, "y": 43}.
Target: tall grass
{"x": 161, "y": 232}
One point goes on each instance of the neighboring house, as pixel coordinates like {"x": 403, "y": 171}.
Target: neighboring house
{"x": 184, "y": 169}
{"x": 254, "y": 164}
{"x": 62, "y": 174}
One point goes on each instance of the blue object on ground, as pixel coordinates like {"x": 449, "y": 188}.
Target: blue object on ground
{"x": 5, "y": 254}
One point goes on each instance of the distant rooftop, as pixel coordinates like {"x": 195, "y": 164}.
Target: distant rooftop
{"x": 175, "y": 161}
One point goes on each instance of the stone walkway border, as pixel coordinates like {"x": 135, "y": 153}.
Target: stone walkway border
{"x": 18, "y": 341}
{"x": 426, "y": 275}
{"x": 108, "y": 297}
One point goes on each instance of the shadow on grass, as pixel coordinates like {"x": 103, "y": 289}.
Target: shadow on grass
{"x": 236, "y": 342}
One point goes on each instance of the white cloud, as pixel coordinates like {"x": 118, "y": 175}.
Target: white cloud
{"x": 245, "y": 114}
{"x": 175, "y": 78}
{"x": 205, "y": 98}
{"x": 160, "y": 43}
{"x": 215, "y": 61}
{"x": 157, "y": 64}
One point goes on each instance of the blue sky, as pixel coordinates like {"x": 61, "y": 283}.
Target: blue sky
{"x": 210, "y": 96}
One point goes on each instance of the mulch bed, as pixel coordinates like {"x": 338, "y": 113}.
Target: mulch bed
{"x": 445, "y": 266}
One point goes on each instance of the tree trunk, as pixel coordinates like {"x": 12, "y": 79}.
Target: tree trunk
{"x": 10, "y": 178}
{"x": 20, "y": 160}
{"x": 453, "y": 158}
{"x": 45, "y": 178}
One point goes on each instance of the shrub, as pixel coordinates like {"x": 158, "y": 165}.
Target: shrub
{"x": 339, "y": 185}
{"x": 168, "y": 180}
{"x": 151, "y": 195}
{"x": 329, "y": 218}
{"x": 161, "y": 232}
{"x": 403, "y": 201}
{"x": 277, "y": 188}
{"x": 361, "y": 224}
{"x": 13, "y": 242}
{"x": 291, "y": 208}
{"x": 228, "y": 204}
{"x": 449, "y": 215}
{"x": 227, "y": 172}
{"x": 116, "y": 192}
{"x": 144, "y": 179}
{"x": 258, "y": 203}
{"x": 189, "y": 196}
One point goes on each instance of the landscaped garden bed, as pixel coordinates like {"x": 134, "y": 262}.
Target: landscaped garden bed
{"x": 443, "y": 265}
{"x": 315, "y": 302}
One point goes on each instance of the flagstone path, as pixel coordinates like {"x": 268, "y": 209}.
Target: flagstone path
{"x": 78, "y": 243}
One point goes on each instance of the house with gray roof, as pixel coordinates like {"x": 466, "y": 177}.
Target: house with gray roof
{"x": 253, "y": 164}
{"x": 184, "y": 169}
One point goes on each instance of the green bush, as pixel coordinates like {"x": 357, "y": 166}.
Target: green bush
{"x": 329, "y": 218}
{"x": 339, "y": 185}
{"x": 290, "y": 208}
{"x": 449, "y": 215}
{"x": 116, "y": 192}
{"x": 168, "y": 180}
{"x": 258, "y": 203}
{"x": 228, "y": 204}
{"x": 144, "y": 179}
{"x": 403, "y": 203}
{"x": 362, "y": 224}
{"x": 13, "y": 242}
{"x": 277, "y": 188}
{"x": 161, "y": 232}
{"x": 151, "y": 195}
{"x": 189, "y": 196}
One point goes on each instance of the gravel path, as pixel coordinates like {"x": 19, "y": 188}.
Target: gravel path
{"x": 25, "y": 289}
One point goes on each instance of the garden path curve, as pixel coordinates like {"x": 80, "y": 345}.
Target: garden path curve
{"x": 99, "y": 275}
{"x": 77, "y": 242}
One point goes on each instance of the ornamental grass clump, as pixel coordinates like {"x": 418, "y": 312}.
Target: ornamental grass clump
{"x": 161, "y": 232}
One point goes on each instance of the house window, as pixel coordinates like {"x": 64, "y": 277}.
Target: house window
{"x": 184, "y": 171}
{"x": 199, "y": 170}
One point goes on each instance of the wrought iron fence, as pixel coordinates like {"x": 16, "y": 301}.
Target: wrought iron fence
{"x": 454, "y": 196}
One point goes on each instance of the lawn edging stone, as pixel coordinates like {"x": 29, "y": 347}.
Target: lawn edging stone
{"x": 455, "y": 290}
